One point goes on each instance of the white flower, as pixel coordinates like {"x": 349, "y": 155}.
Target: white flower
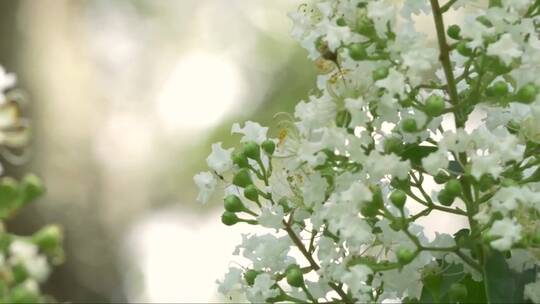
{"x": 356, "y": 279}
{"x": 532, "y": 291}
{"x": 484, "y": 164}
{"x": 207, "y": 184}
{"x": 27, "y": 254}
{"x": 252, "y": 132}
{"x": 314, "y": 189}
{"x": 231, "y": 281}
{"x": 435, "y": 161}
{"x": 505, "y": 48}
{"x": 220, "y": 159}
{"x": 508, "y": 231}
{"x": 262, "y": 289}
{"x": 7, "y": 80}
{"x": 271, "y": 217}
{"x": 394, "y": 83}
{"x": 335, "y": 35}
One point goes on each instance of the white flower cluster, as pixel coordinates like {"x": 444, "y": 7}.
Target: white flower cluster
{"x": 24, "y": 261}
{"x": 392, "y": 113}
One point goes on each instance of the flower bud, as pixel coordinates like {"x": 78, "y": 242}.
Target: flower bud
{"x": 409, "y": 125}
{"x": 48, "y": 238}
{"x": 295, "y": 277}
{"x": 240, "y": 159}
{"x": 463, "y": 49}
{"x": 398, "y": 198}
{"x": 393, "y": 145}
{"x": 229, "y": 218}
{"x": 405, "y": 255}
{"x": 250, "y": 276}
{"x": 498, "y": 89}
{"x": 453, "y": 187}
{"x": 233, "y": 203}
{"x": 269, "y": 146}
{"x": 341, "y": 21}
{"x": 445, "y": 197}
{"x": 526, "y": 94}
{"x": 434, "y": 106}
{"x": 357, "y": 51}
{"x": 242, "y": 178}
{"x": 251, "y": 150}
{"x": 380, "y": 73}
{"x": 458, "y": 292}
{"x": 31, "y": 188}
{"x": 441, "y": 177}
{"x": 251, "y": 193}
{"x": 453, "y": 31}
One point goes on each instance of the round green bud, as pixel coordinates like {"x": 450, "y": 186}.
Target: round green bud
{"x": 400, "y": 183}
{"x": 393, "y": 145}
{"x": 398, "y": 198}
{"x": 399, "y": 224}
{"x": 251, "y": 150}
{"x": 453, "y": 31}
{"x": 341, "y": 21}
{"x": 445, "y": 197}
{"x": 19, "y": 272}
{"x": 405, "y": 255}
{"x": 463, "y": 49}
{"x": 32, "y": 187}
{"x": 240, "y": 159}
{"x": 526, "y": 94}
{"x": 250, "y": 276}
{"x": 409, "y": 125}
{"x": 365, "y": 27}
{"x": 453, "y": 187}
{"x": 357, "y": 51}
{"x": 242, "y": 178}
{"x": 406, "y": 102}
{"x": 441, "y": 177}
{"x": 434, "y": 106}
{"x": 458, "y": 292}
{"x": 48, "y": 238}
{"x": 233, "y": 203}
{"x": 295, "y": 277}
{"x": 498, "y": 89}
{"x": 268, "y": 146}
{"x": 380, "y": 73}
{"x": 343, "y": 118}
{"x": 251, "y": 193}
{"x": 229, "y": 218}
{"x": 369, "y": 209}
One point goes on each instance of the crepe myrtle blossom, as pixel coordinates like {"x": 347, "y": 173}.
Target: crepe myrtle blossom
{"x": 398, "y": 128}
{"x": 25, "y": 261}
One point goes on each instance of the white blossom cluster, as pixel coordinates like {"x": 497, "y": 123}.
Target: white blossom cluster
{"x": 25, "y": 261}
{"x": 395, "y": 113}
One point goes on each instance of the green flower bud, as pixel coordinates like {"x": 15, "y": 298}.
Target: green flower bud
{"x": 31, "y": 188}
{"x": 229, "y": 218}
{"x": 453, "y": 31}
{"x": 242, "y": 178}
{"x": 445, "y": 197}
{"x": 295, "y": 277}
{"x": 441, "y": 177}
{"x": 48, "y": 238}
{"x": 19, "y": 272}
{"x": 240, "y": 159}
{"x": 453, "y": 187}
{"x": 269, "y": 146}
{"x": 341, "y": 21}
{"x": 463, "y": 49}
{"x": 250, "y": 276}
{"x": 380, "y": 73}
{"x": 400, "y": 183}
{"x": 343, "y": 118}
{"x": 233, "y": 203}
{"x": 357, "y": 51}
{"x": 393, "y": 145}
{"x": 369, "y": 209}
{"x": 498, "y": 89}
{"x": 434, "y": 106}
{"x": 365, "y": 27}
{"x": 251, "y": 150}
{"x": 251, "y": 193}
{"x": 526, "y": 94}
{"x": 405, "y": 255}
{"x": 409, "y": 125}
{"x": 406, "y": 102}
{"x": 398, "y": 198}
{"x": 458, "y": 292}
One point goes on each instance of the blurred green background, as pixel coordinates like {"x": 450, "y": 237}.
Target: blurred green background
{"x": 126, "y": 98}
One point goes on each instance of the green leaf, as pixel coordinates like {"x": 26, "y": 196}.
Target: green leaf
{"x": 504, "y": 285}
